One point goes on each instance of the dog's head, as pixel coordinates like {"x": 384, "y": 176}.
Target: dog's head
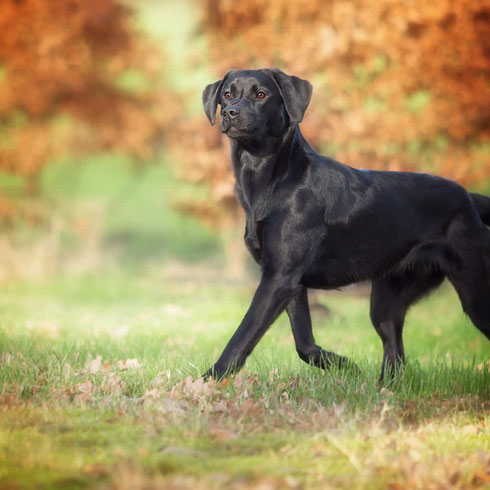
{"x": 257, "y": 103}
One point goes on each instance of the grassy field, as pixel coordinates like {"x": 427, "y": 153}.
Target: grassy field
{"x": 99, "y": 368}
{"x": 100, "y": 388}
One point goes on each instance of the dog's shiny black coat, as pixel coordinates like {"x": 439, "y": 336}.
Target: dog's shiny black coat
{"x": 312, "y": 222}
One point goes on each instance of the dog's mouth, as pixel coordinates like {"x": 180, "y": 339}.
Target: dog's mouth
{"x": 233, "y": 130}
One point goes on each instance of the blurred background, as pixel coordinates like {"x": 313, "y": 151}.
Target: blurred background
{"x": 107, "y": 160}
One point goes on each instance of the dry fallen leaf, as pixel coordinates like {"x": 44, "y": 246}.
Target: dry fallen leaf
{"x": 96, "y": 469}
{"x": 107, "y": 366}
{"x": 84, "y": 391}
{"x": 128, "y": 364}
{"x": 272, "y": 373}
{"x": 6, "y": 358}
{"x": 93, "y": 365}
{"x": 113, "y": 385}
{"x": 221, "y": 406}
{"x": 153, "y": 393}
{"x": 481, "y": 478}
{"x": 221, "y": 434}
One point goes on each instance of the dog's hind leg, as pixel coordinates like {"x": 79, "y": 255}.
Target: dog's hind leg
{"x": 299, "y": 314}
{"x": 390, "y": 299}
{"x": 472, "y": 283}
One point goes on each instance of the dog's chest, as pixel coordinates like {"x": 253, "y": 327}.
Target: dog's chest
{"x": 256, "y": 199}
{"x": 254, "y": 193}
{"x": 255, "y": 215}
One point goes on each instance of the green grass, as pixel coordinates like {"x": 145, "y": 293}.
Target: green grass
{"x": 98, "y": 389}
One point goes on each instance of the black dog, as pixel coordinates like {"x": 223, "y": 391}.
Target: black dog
{"x": 313, "y": 222}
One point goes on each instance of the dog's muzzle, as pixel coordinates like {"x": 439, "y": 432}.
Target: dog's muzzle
{"x": 230, "y": 112}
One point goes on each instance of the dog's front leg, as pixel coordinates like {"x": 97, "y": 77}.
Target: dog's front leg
{"x": 274, "y": 291}
{"x": 299, "y": 315}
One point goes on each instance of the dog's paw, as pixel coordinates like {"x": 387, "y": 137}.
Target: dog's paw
{"x": 215, "y": 373}
{"x": 207, "y": 374}
{"x": 347, "y": 364}
{"x": 331, "y": 359}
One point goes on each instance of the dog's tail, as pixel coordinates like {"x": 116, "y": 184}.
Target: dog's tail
{"x": 482, "y": 204}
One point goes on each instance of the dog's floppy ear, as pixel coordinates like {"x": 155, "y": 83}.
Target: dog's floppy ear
{"x": 210, "y": 98}
{"x": 295, "y": 92}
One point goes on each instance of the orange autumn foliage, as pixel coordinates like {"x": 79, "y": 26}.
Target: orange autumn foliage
{"x": 61, "y": 66}
{"x": 397, "y": 85}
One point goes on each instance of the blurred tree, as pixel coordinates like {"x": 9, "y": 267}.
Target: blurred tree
{"x": 75, "y": 76}
{"x": 398, "y": 85}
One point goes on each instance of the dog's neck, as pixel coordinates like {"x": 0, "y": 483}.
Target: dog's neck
{"x": 271, "y": 156}
{"x": 257, "y": 166}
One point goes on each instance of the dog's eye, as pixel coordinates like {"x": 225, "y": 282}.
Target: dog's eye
{"x": 260, "y": 94}
{"x": 227, "y": 95}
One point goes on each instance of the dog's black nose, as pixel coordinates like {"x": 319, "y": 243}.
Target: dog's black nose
{"x": 230, "y": 112}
